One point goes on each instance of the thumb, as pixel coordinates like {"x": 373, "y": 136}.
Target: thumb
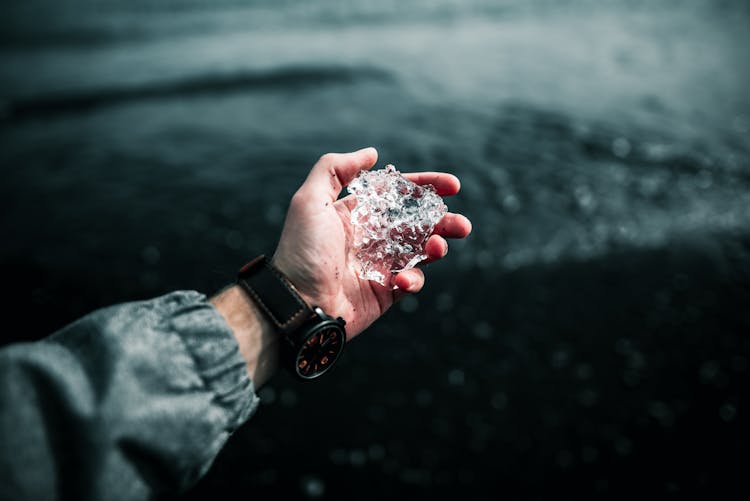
{"x": 335, "y": 170}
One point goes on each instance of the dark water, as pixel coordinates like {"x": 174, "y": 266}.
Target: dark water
{"x": 589, "y": 338}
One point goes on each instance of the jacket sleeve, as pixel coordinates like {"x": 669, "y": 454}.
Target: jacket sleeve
{"x": 128, "y": 401}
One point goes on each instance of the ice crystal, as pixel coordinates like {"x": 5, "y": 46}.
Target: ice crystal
{"x": 392, "y": 221}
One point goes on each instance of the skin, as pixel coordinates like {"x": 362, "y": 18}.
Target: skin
{"x": 313, "y": 251}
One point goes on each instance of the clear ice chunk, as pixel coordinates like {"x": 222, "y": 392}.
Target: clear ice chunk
{"x": 391, "y": 222}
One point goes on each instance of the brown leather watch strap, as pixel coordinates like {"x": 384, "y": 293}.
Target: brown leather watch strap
{"x": 274, "y": 294}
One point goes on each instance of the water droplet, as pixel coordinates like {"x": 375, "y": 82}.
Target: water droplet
{"x": 657, "y": 152}
{"x": 708, "y": 372}
{"x": 415, "y": 476}
{"x": 150, "y": 254}
{"x": 499, "y": 400}
{"x": 485, "y": 259}
{"x": 589, "y": 454}
{"x": 456, "y": 377}
{"x": 564, "y": 458}
{"x": 312, "y": 486}
{"x": 200, "y": 222}
{"x": 623, "y": 446}
{"x": 585, "y": 198}
{"x": 635, "y": 360}
{"x": 376, "y": 413}
{"x": 671, "y": 487}
{"x": 268, "y": 476}
{"x": 482, "y": 330}
{"x": 623, "y": 346}
{"x": 583, "y": 371}
{"x": 288, "y": 398}
{"x": 727, "y": 412}
{"x": 662, "y": 413}
{"x": 511, "y": 203}
{"x": 705, "y": 179}
{"x": 602, "y": 485}
{"x": 560, "y": 359}
{"x": 409, "y": 304}
{"x": 466, "y": 477}
{"x": 274, "y": 214}
{"x": 357, "y": 457}
{"x": 376, "y": 452}
{"x": 621, "y": 147}
{"x": 444, "y": 302}
{"x": 739, "y": 363}
{"x": 233, "y": 239}
{"x": 423, "y": 398}
{"x": 231, "y": 208}
{"x": 587, "y": 397}
{"x": 338, "y": 456}
{"x": 149, "y": 279}
{"x": 267, "y": 395}
{"x": 631, "y": 378}
{"x": 741, "y": 124}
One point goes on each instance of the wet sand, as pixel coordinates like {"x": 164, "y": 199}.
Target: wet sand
{"x": 589, "y": 338}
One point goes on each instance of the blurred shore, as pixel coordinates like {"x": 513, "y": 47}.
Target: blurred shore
{"x": 589, "y": 338}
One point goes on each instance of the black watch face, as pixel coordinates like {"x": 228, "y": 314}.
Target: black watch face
{"x": 320, "y": 350}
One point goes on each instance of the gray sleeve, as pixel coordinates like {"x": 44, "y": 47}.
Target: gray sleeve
{"x": 128, "y": 401}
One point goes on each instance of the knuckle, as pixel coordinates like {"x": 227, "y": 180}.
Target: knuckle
{"x": 327, "y": 158}
{"x": 299, "y": 199}
{"x": 334, "y": 179}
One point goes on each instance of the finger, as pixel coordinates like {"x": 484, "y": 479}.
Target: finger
{"x": 436, "y": 248}
{"x": 453, "y": 226}
{"x": 409, "y": 281}
{"x": 350, "y": 201}
{"x": 445, "y": 184}
{"x": 335, "y": 170}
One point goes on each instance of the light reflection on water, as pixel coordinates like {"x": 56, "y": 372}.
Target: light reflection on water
{"x": 571, "y": 134}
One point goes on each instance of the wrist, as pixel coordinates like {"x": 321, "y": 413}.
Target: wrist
{"x": 310, "y": 340}
{"x": 292, "y": 274}
{"x": 257, "y": 340}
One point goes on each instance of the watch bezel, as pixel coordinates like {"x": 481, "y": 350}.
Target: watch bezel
{"x": 298, "y": 341}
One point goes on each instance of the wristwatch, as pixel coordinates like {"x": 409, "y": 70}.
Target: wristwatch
{"x": 311, "y": 340}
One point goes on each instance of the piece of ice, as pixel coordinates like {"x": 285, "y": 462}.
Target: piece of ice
{"x": 391, "y": 222}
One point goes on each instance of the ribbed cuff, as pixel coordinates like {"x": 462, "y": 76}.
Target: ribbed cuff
{"x": 215, "y": 352}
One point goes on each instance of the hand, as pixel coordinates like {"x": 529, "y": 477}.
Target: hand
{"x": 313, "y": 250}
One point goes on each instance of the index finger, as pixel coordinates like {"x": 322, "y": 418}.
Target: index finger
{"x": 445, "y": 184}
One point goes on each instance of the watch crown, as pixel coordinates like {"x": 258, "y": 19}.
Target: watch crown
{"x": 343, "y": 322}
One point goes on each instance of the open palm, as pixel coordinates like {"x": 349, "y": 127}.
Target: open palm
{"x": 313, "y": 250}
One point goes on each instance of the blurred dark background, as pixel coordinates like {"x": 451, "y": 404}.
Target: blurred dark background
{"x": 590, "y": 339}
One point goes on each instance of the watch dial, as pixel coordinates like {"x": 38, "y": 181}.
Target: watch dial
{"x": 320, "y": 351}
